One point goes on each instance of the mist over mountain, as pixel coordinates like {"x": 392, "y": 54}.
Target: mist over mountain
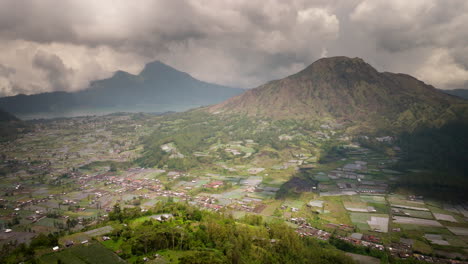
{"x": 157, "y": 88}
{"x": 463, "y": 93}
{"x": 343, "y": 89}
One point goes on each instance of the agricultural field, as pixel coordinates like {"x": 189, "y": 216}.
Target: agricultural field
{"x": 68, "y": 174}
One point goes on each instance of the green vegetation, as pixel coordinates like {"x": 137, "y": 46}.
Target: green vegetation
{"x": 206, "y": 237}
{"x": 92, "y": 252}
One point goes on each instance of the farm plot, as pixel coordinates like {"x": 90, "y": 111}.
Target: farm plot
{"x": 334, "y": 212}
{"x": 322, "y": 178}
{"x": 401, "y": 202}
{"x": 373, "y": 199}
{"x": 252, "y": 181}
{"x": 415, "y": 221}
{"x": 459, "y": 231}
{"x": 358, "y": 207}
{"x": 99, "y": 231}
{"x": 233, "y": 194}
{"x": 362, "y": 259}
{"x": 293, "y": 203}
{"x": 445, "y": 217}
{"x": 436, "y": 239}
{"x": 413, "y": 213}
{"x": 368, "y": 222}
{"x": 316, "y": 203}
{"x": 81, "y": 254}
{"x": 378, "y": 224}
{"x": 410, "y": 207}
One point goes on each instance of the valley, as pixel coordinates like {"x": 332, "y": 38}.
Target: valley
{"x": 66, "y": 176}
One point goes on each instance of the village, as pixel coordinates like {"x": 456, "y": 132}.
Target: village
{"x": 69, "y": 173}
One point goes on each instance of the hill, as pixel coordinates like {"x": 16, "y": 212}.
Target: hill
{"x": 463, "y": 93}
{"x": 5, "y": 116}
{"x": 158, "y": 88}
{"x": 348, "y": 90}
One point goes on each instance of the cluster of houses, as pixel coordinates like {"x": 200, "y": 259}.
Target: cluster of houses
{"x": 307, "y": 230}
{"x": 247, "y": 204}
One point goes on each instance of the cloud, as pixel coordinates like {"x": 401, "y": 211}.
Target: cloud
{"x": 426, "y": 38}
{"x": 55, "y": 71}
{"x": 63, "y": 45}
{"x": 443, "y": 69}
{"x": 6, "y": 71}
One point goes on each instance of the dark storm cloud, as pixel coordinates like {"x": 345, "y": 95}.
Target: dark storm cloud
{"x": 55, "y": 71}
{"x": 239, "y": 43}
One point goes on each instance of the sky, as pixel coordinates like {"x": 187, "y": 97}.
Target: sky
{"x": 63, "y": 45}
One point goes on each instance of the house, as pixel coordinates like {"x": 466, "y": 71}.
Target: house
{"x": 214, "y": 184}
{"x": 69, "y": 243}
{"x": 162, "y": 217}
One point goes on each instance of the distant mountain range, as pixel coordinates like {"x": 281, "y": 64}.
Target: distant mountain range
{"x": 463, "y": 93}
{"x": 158, "y": 88}
{"x": 348, "y": 90}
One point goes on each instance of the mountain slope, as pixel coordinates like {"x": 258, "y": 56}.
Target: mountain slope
{"x": 342, "y": 89}
{"x": 462, "y": 93}
{"x": 157, "y": 88}
{"x": 8, "y": 126}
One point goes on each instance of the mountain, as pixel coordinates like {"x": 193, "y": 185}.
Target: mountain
{"x": 348, "y": 90}
{"x": 463, "y": 93}
{"x": 158, "y": 88}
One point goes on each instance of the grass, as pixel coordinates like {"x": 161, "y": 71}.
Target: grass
{"x": 173, "y": 256}
{"x": 336, "y": 212}
{"x": 422, "y": 247}
{"x": 271, "y": 207}
{"x": 294, "y": 203}
{"x": 112, "y": 244}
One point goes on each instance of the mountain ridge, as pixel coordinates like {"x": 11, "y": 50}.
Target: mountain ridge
{"x": 157, "y": 88}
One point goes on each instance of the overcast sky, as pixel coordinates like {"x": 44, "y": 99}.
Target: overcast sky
{"x": 48, "y": 45}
